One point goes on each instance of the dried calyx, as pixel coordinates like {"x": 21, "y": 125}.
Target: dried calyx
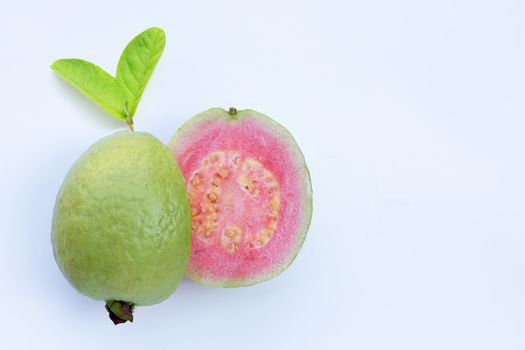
{"x": 120, "y": 311}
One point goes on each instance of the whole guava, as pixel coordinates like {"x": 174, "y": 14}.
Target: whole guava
{"x": 121, "y": 227}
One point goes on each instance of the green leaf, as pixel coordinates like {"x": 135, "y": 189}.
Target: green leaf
{"x": 137, "y": 62}
{"x": 120, "y": 95}
{"x": 93, "y": 82}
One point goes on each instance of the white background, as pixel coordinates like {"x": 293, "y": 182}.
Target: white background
{"x": 411, "y": 118}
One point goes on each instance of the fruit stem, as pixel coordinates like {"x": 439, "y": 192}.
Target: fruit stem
{"x": 232, "y": 111}
{"x": 120, "y": 311}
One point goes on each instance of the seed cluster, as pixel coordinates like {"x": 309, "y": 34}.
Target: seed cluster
{"x": 207, "y": 200}
{"x": 204, "y": 212}
{"x": 231, "y": 239}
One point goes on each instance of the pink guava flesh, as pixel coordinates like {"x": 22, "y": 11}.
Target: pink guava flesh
{"x": 250, "y": 196}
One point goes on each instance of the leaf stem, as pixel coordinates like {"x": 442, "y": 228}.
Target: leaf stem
{"x": 129, "y": 121}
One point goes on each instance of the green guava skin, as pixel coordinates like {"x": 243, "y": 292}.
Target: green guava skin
{"x": 122, "y": 223}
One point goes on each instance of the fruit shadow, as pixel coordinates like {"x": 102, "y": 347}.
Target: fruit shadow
{"x": 86, "y": 107}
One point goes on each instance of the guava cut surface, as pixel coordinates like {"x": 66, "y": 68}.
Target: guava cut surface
{"x": 121, "y": 224}
{"x": 250, "y": 195}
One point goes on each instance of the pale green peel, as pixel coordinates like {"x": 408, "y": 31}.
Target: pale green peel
{"x": 121, "y": 94}
{"x": 122, "y": 225}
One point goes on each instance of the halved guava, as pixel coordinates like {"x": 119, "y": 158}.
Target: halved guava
{"x": 250, "y": 196}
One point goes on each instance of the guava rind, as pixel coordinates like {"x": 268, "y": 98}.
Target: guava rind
{"x": 121, "y": 224}
{"x": 186, "y": 134}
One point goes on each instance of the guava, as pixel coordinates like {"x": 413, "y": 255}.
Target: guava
{"x": 122, "y": 225}
{"x": 250, "y": 195}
